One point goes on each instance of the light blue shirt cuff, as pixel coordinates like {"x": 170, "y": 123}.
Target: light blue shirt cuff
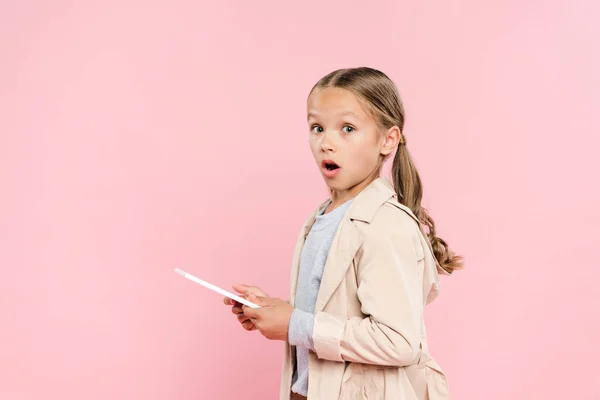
{"x": 300, "y": 330}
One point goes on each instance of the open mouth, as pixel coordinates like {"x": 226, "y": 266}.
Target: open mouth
{"x": 329, "y": 165}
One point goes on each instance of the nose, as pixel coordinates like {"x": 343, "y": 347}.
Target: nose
{"x": 326, "y": 144}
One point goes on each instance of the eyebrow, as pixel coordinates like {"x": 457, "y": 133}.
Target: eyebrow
{"x": 344, "y": 114}
{"x": 351, "y": 114}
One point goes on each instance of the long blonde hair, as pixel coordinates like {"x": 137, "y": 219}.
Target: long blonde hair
{"x": 382, "y": 99}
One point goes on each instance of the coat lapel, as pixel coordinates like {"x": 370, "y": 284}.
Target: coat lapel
{"x": 346, "y": 243}
{"x": 348, "y": 239}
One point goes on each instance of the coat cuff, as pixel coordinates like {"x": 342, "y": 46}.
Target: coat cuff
{"x": 327, "y": 336}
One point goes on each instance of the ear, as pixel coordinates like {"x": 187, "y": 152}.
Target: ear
{"x": 391, "y": 139}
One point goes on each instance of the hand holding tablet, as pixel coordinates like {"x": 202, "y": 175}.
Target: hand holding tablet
{"x": 216, "y": 288}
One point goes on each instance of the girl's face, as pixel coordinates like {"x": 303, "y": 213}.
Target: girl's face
{"x": 346, "y": 141}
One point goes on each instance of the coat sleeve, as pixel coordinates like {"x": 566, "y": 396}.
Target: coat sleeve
{"x": 390, "y": 292}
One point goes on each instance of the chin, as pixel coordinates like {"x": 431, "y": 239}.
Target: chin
{"x": 337, "y": 186}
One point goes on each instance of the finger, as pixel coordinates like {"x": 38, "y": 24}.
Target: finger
{"x": 251, "y": 312}
{"x": 246, "y": 290}
{"x": 248, "y": 325}
{"x": 243, "y": 289}
{"x": 237, "y": 309}
{"x": 243, "y": 318}
{"x": 260, "y": 300}
{"x": 227, "y": 301}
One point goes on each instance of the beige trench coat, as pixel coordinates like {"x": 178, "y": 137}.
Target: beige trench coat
{"x": 369, "y": 333}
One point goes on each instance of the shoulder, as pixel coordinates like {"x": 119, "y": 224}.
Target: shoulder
{"x": 393, "y": 225}
{"x": 392, "y": 218}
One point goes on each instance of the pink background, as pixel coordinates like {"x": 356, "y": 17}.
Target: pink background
{"x": 136, "y": 137}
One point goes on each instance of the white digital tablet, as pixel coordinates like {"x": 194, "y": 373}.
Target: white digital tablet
{"x": 215, "y": 288}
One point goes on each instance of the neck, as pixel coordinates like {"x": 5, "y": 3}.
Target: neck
{"x": 339, "y": 197}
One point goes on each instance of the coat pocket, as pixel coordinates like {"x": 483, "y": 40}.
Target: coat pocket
{"x": 437, "y": 385}
{"x": 365, "y": 382}
{"x": 352, "y": 383}
{"x": 374, "y": 383}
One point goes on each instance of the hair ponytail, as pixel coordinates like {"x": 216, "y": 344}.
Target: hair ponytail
{"x": 407, "y": 185}
{"x": 381, "y": 97}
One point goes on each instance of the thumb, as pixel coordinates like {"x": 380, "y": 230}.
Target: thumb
{"x": 247, "y": 289}
{"x": 259, "y": 300}
{"x": 243, "y": 289}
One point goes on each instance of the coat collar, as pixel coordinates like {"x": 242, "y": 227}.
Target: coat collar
{"x": 346, "y": 241}
{"x": 365, "y": 204}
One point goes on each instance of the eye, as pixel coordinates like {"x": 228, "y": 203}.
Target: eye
{"x": 316, "y": 129}
{"x": 348, "y": 129}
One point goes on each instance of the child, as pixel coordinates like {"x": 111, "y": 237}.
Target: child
{"x": 363, "y": 268}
